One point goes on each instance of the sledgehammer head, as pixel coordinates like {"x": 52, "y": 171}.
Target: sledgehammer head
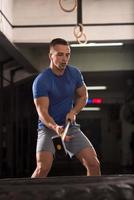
{"x": 59, "y": 146}
{"x": 58, "y": 141}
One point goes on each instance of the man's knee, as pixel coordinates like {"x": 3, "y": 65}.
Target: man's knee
{"x": 43, "y": 169}
{"x": 93, "y": 168}
{"x": 97, "y": 163}
{"x": 94, "y": 163}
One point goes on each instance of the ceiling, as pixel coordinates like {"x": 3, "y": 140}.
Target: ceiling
{"x": 12, "y": 62}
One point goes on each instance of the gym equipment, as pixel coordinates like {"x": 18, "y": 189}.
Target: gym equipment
{"x": 112, "y": 187}
{"x": 58, "y": 142}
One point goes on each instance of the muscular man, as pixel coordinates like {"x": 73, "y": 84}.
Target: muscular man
{"x": 59, "y": 94}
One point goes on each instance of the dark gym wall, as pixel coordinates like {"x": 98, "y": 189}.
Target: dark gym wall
{"x": 18, "y": 126}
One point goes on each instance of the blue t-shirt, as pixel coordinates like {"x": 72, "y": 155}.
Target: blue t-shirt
{"x": 59, "y": 89}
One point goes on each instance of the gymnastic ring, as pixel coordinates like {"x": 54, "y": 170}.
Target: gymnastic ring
{"x": 80, "y": 33}
{"x": 68, "y": 10}
{"x": 85, "y": 39}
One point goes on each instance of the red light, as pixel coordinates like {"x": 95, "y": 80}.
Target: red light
{"x": 97, "y": 100}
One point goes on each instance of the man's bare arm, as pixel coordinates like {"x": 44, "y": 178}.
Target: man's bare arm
{"x": 42, "y": 104}
{"x": 80, "y": 102}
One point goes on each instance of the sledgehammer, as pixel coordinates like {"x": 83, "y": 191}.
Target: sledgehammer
{"x": 58, "y": 141}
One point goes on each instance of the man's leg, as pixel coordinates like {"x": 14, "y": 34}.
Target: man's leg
{"x": 44, "y": 161}
{"x": 88, "y": 158}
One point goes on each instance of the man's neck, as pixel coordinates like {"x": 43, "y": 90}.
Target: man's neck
{"x": 57, "y": 71}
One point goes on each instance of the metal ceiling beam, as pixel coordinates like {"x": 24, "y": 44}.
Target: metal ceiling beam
{"x": 15, "y": 53}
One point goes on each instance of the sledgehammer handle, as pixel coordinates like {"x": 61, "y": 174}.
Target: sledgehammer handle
{"x": 66, "y": 130}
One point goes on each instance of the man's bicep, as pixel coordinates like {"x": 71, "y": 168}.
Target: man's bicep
{"x": 42, "y": 103}
{"x": 82, "y": 91}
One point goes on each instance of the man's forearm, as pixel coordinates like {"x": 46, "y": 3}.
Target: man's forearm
{"x": 47, "y": 120}
{"x": 79, "y": 104}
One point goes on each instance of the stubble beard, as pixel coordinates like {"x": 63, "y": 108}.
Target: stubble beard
{"x": 61, "y": 66}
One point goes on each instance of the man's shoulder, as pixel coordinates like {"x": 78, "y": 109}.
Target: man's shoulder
{"x": 73, "y": 68}
{"x": 43, "y": 77}
{"x": 44, "y": 74}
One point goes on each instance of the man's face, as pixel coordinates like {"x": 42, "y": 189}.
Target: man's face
{"x": 59, "y": 56}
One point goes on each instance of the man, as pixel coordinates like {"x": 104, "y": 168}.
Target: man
{"x": 59, "y": 94}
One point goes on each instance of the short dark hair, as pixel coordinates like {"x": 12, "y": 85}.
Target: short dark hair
{"x": 58, "y": 41}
